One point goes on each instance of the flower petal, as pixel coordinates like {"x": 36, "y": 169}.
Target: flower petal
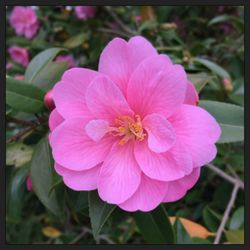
{"x": 96, "y": 129}
{"x": 55, "y": 119}
{"x": 72, "y": 147}
{"x": 147, "y": 197}
{"x": 177, "y": 189}
{"x": 157, "y": 86}
{"x": 105, "y": 100}
{"x": 161, "y": 135}
{"x": 198, "y": 131}
{"x": 120, "y": 58}
{"x": 167, "y": 166}
{"x": 69, "y": 93}
{"x": 120, "y": 174}
{"x": 79, "y": 180}
{"x": 191, "y": 97}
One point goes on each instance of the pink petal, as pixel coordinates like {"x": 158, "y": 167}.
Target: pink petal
{"x": 167, "y": 166}
{"x": 69, "y": 93}
{"x": 147, "y": 197}
{"x": 198, "y": 131}
{"x": 105, "y": 100}
{"x": 85, "y": 180}
{"x": 120, "y": 58}
{"x": 191, "y": 97}
{"x": 96, "y": 129}
{"x": 72, "y": 147}
{"x": 177, "y": 189}
{"x": 120, "y": 174}
{"x": 55, "y": 119}
{"x": 157, "y": 86}
{"x": 161, "y": 135}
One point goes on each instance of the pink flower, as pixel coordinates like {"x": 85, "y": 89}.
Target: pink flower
{"x": 138, "y": 19}
{"x": 85, "y": 12}
{"x": 66, "y": 58}
{"x": 24, "y": 21}
{"x": 19, "y": 55}
{"x": 28, "y": 183}
{"x": 131, "y": 130}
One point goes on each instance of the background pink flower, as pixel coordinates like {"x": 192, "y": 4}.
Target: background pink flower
{"x": 19, "y": 55}
{"x": 24, "y": 21}
{"x": 132, "y": 130}
{"x": 28, "y": 183}
{"x": 85, "y": 12}
{"x": 66, "y": 58}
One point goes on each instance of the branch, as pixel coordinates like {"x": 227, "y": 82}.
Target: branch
{"x": 234, "y": 181}
{"x": 19, "y": 121}
{"x": 226, "y": 214}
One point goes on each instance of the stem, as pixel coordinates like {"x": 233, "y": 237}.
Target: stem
{"x": 19, "y": 121}
{"x": 105, "y": 30}
{"x": 227, "y": 177}
{"x": 226, "y": 214}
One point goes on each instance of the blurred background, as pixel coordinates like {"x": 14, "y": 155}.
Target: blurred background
{"x": 207, "y": 40}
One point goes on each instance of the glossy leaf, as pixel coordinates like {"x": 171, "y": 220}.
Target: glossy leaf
{"x": 199, "y": 80}
{"x": 39, "y": 62}
{"x": 155, "y": 226}
{"x": 215, "y": 68}
{"x": 42, "y": 176}
{"x": 211, "y": 219}
{"x": 23, "y": 97}
{"x": 99, "y": 211}
{"x": 75, "y": 41}
{"x": 230, "y": 117}
{"x": 182, "y": 236}
{"x": 237, "y": 219}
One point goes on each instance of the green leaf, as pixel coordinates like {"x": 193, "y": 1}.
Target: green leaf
{"x": 99, "y": 212}
{"x": 237, "y": 220}
{"x": 211, "y": 219}
{"x": 197, "y": 240}
{"x": 75, "y": 41}
{"x": 230, "y": 117}
{"x": 155, "y": 226}
{"x": 50, "y": 75}
{"x": 18, "y": 154}
{"x": 182, "y": 236}
{"x": 200, "y": 80}
{"x": 24, "y": 97}
{"x": 235, "y": 236}
{"x": 219, "y": 19}
{"x": 42, "y": 176}
{"x": 39, "y": 62}
{"x": 215, "y": 68}
{"x": 16, "y": 195}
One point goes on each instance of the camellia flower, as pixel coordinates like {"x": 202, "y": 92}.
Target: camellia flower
{"x": 66, "y": 58}
{"x": 19, "y": 55}
{"x": 24, "y": 21}
{"x": 132, "y": 130}
{"x": 85, "y": 12}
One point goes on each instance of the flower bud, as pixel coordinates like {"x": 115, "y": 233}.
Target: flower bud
{"x": 227, "y": 84}
{"x": 48, "y": 101}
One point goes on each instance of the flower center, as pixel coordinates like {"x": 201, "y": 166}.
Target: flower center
{"x": 129, "y": 128}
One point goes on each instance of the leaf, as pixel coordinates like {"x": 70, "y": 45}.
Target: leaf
{"x": 219, "y": 19}
{"x": 235, "y": 236}
{"x": 18, "y": 154}
{"x": 155, "y": 226}
{"x": 182, "y": 236}
{"x": 99, "y": 212}
{"x": 237, "y": 220}
{"x": 75, "y": 41}
{"x": 230, "y": 117}
{"x": 194, "y": 229}
{"x": 211, "y": 219}
{"x": 42, "y": 176}
{"x": 215, "y": 68}
{"x": 199, "y": 80}
{"x": 16, "y": 195}
{"x": 50, "y": 75}
{"x": 51, "y": 232}
{"x": 197, "y": 240}
{"x": 39, "y": 62}
{"x": 24, "y": 97}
